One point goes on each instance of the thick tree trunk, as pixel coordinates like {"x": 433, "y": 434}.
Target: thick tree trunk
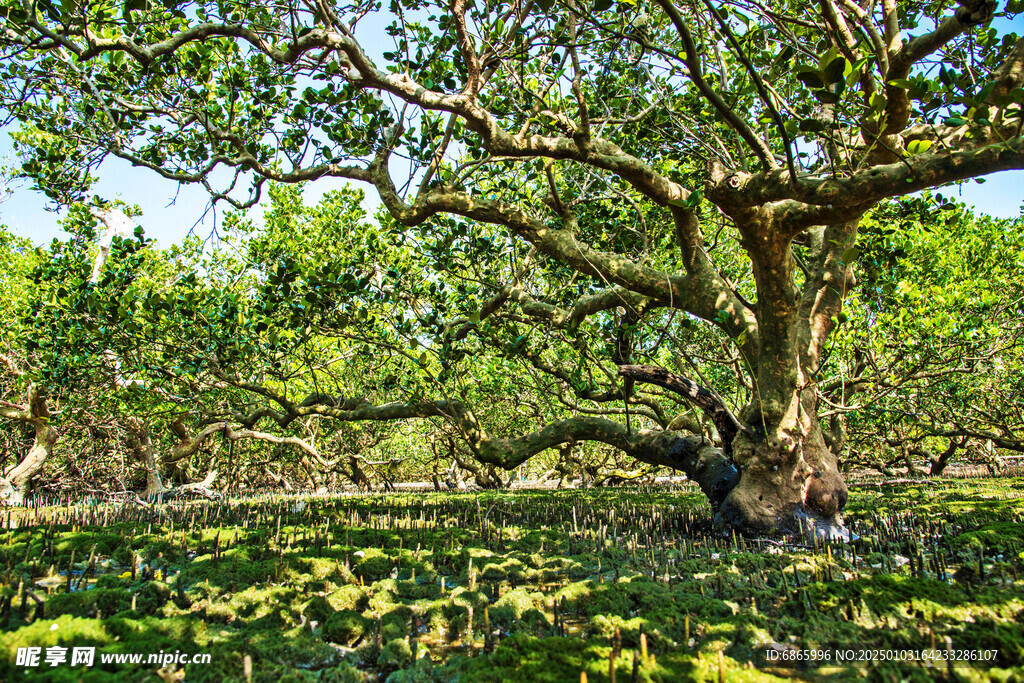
{"x": 279, "y": 478}
{"x": 15, "y": 483}
{"x": 939, "y": 462}
{"x": 155, "y": 486}
{"x": 767, "y": 476}
{"x": 992, "y": 461}
{"x": 699, "y": 459}
{"x": 201, "y": 488}
{"x": 358, "y": 476}
{"x": 453, "y": 478}
{"x": 789, "y": 479}
{"x": 146, "y": 453}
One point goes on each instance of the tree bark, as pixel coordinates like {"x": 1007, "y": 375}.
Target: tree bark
{"x": 15, "y": 483}
{"x": 769, "y": 476}
{"x": 940, "y": 460}
{"x": 146, "y": 453}
{"x": 789, "y": 479}
{"x": 708, "y": 401}
{"x": 201, "y": 488}
{"x": 357, "y": 476}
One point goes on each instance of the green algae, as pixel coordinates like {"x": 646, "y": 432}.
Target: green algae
{"x": 345, "y": 627}
{"x": 396, "y": 654}
{"x": 522, "y": 586}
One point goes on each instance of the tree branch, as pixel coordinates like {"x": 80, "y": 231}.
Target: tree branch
{"x": 862, "y": 188}
{"x": 705, "y": 399}
{"x": 692, "y": 61}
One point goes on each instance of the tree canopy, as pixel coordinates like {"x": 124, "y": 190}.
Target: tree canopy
{"x": 568, "y": 190}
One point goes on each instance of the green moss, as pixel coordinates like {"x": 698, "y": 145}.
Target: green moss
{"x": 532, "y": 621}
{"x": 317, "y": 568}
{"x": 526, "y": 658}
{"x": 413, "y": 590}
{"x": 493, "y": 572}
{"x": 348, "y": 597}
{"x": 317, "y": 609}
{"x": 289, "y": 603}
{"x": 88, "y": 603}
{"x": 420, "y": 672}
{"x": 374, "y": 566}
{"x": 997, "y": 536}
{"x": 395, "y": 655}
{"x": 344, "y": 627}
{"x": 381, "y": 602}
{"x": 257, "y": 602}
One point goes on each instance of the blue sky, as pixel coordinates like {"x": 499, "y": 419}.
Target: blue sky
{"x": 171, "y": 212}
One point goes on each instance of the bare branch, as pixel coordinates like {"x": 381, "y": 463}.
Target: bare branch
{"x": 705, "y": 399}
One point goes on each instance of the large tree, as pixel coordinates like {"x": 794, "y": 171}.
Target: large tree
{"x": 612, "y": 138}
{"x": 931, "y": 371}
{"x": 24, "y": 408}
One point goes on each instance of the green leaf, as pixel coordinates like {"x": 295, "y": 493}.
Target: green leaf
{"x": 785, "y": 55}
{"x": 692, "y": 201}
{"x": 877, "y": 101}
{"x": 828, "y": 57}
{"x": 826, "y": 96}
{"x": 918, "y": 146}
{"x": 13, "y": 14}
{"x": 834, "y": 71}
{"x": 811, "y": 78}
{"x": 902, "y": 83}
{"x": 849, "y": 255}
{"x": 474, "y": 317}
{"x": 947, "y": 76}
{"x": 954, "y": 121}
{"x": 812, "y": 126}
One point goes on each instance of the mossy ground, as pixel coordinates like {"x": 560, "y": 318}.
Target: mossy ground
{"x": 525, "y": 586}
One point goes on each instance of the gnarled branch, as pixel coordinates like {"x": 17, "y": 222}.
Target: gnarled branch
{"x": 705, "y": 399}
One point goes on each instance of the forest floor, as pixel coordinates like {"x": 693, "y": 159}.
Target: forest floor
{"x": 622, "y": 584}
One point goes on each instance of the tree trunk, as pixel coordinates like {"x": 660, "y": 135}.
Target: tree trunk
{"x": 908, "y": 459}
{"x": 769, "y": 474}
{"x": 939, "y": 461}
{"x": 789, "y": 479}
{"x": 15, "y": 483}
{"x": 358, "y": 476}
{"x": 995, "y": 465}
{"x": 279, "y": 478}
{"x": 201, "y": 488}
{"x": 146, "y": 453}
{"x": 453, "y": 478}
